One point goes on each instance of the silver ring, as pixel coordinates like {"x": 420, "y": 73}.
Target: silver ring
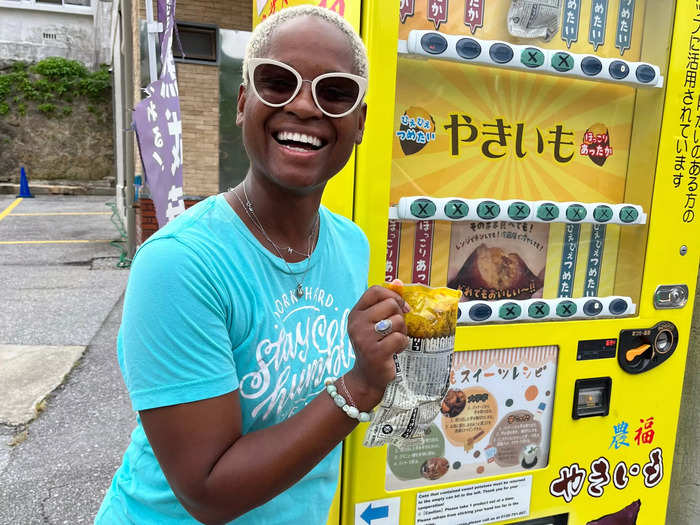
{"x": 383, "y": 327}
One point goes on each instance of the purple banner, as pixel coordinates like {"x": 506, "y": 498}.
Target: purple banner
{"x": 158, "y": 126}
{"x": 165, "y": 10}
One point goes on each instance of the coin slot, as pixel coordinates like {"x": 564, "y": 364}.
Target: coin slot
{"x": 641, "y": 349}
{"x": 663, "y": 342}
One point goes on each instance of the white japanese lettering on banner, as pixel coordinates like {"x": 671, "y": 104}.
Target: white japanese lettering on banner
{"x": 158, "y": 127}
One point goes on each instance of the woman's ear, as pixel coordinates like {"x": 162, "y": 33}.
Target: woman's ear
{"x": 361, "y": 124}
{"x": 240, "y": 105}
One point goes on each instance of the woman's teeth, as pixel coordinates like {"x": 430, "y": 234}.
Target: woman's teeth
{"x": 298, "y": 140}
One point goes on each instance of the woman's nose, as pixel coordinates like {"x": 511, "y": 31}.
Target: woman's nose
{"x": 303, "y": 105}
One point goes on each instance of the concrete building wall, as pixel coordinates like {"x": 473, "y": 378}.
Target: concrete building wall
{"x": 199, "y": 91}
{"x": 102, "y": 25}
{"x": 34, "y": 34}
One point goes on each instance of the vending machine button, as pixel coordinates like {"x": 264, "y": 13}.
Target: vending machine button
{"x": 456, "y": 209}
{"x": 619, "y": 69}
{"x": 501, "y": 53}
{"x": 562, "y": 62}
{"x": 480, "y": 312}
{"x": 532, "y": 57}
{"x": 518, "y": 211}
{"x": 548, "y": 211}
{"x": 433, "y": 43}
{"x": 566, "y": 309}
{"x": 538, "y": 310}
{"x": 592, "y": 307}
{"x": 509, "y": 311}
{"x": 591, "y": 66}
{"x": 602, "y": 213}
{"x": 488, "y": 210}
{"x": 618, "y": 307}
{"x": 468, "y": 48}
{"x": 423, "y": 208}
{"x": 629, "y": 214}
{"x": 576, "y": 213}
{"x": 645, "y": 73}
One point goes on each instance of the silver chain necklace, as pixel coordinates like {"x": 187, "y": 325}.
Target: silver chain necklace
{"x": 250, "y": 211}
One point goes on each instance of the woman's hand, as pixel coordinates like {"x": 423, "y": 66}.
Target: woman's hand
{"x": 374, "y": 364}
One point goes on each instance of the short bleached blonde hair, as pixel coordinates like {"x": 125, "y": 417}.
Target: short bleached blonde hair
{"x": 260, "y": 40}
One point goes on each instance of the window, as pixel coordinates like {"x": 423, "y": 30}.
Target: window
{"x": 81, "y": 3}
{"x": 199, "y": 42}
{"x": 44, "y": 4}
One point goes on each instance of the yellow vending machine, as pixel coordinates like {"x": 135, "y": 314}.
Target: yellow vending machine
{"x": 540, "y": 156}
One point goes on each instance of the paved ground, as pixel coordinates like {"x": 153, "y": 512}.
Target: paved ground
{"x": 61, "y": 293}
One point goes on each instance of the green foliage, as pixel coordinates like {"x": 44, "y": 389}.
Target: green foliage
{"x": 5, "y": 86}
{"x": 47, "y": 108}
{"x": 19, "y": 66}
{"x": 66, "y": 110}
{"x": 57, "y": 68}
{"x": 96, "y": 86}
{"x": 4, "y": 108}
{"x": 52, "y": 80}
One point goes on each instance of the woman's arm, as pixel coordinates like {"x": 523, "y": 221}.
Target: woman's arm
{"x": 218, "y": 473}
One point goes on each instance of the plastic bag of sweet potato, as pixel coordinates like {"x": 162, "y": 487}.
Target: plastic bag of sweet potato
{"x": 412, "y": 400}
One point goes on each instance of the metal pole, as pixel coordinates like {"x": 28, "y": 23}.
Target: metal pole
{"x": 128, "y": 90}
{"x": 152, "y": 29}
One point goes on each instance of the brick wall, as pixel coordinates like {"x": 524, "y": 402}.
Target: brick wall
{"x": 199, "y": 91}
{"x": 199, "y": 103}
{"x": 146, "y": 222}
{"x": 227, "y": 14}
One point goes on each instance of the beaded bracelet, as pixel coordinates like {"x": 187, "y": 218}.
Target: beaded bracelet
{"x": 339, "y": 400}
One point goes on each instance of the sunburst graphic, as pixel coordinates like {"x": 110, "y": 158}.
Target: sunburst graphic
{"x": 538, "y": 104}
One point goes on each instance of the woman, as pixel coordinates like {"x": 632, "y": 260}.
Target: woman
{"x": 238, "y": 312}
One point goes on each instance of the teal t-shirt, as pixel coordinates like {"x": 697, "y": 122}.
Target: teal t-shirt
{"x": 209, "y": 310}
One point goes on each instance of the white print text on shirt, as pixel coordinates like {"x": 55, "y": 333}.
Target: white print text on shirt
{"x": 311, "y": 295}
{"x": 310, "y": 345}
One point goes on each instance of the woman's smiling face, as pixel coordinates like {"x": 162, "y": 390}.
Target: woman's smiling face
{"x": 313, "y": 47}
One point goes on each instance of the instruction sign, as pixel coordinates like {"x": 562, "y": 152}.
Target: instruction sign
{"x": 475, "y": 504}
{"x": 378, "y": 512}
{"x": 495, "y": 419}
